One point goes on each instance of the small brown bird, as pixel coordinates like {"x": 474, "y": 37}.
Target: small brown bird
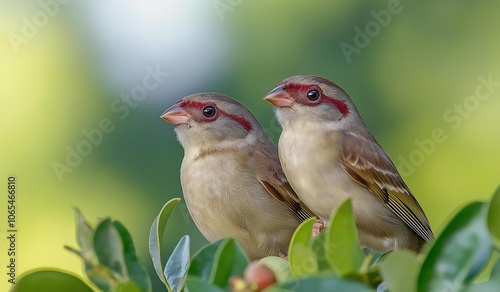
{"x": 231, "y": 176}
{"x": 328, "y": 155}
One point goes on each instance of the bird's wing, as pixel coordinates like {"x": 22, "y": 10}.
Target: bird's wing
{"x": 367, "y": 163}
{"x": 273, "y": 179}
{"x": 280, "y": 192}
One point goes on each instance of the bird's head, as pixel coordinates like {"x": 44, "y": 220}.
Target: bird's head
{"x": 210, "y": 119}
{"x": 311, "y": 99}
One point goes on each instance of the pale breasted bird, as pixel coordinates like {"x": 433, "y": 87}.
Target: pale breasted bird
{"x": 328, "y": 155}
{"x": 231, "y": 177}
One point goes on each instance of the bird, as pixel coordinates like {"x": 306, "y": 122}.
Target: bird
{"x": 328, "y": 155}
{"x": 231, "y": 177}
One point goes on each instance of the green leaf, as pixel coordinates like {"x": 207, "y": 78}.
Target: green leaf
{"x": 400, "y": 271}
{"x": 303, "y": 233}
{"x": 194, "y": 284}
{"x": 377, "y": 257}
{"x": 494, "y": 218}
{"x": 230, "y": 260}
{"x": 321, "y": 283}
{"x": 135, "y": 269}
{"x": 217, "y": 262}
{"x": 97, "y": 274}
{"x": 85, "y": 237}
{"x": 109, "y": 249}
{"x": 368, "y": 273}
{"x": 177, "y": 265}
{"x": 279, "y": 266}
{"x": 49, "y": 281}
{"x": 302, "y": 258}
{"x": 460, "y": 252}
{"x": 128, "y": 286}
{"x": 371, "y": 277}
{"x": 155, "y": 236}
{"x": 492, "y": 285}
{"x": 202, "y": 262}
{"x": 495, "y": 271}
{"x": 318, "y": 245}
{"x": 344, "y": 253}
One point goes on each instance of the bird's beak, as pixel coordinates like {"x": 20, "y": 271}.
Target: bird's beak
{"x": 280, "y": 97}
{"x": 176, "y": 114}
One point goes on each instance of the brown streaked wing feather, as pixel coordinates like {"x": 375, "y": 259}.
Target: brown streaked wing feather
{"x": 298, "y": 208}
{"x": 367, "y": 163}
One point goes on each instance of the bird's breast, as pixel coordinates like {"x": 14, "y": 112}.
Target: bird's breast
{"x": 211, "y": 181}
{"x": 313, "y": 169}
{"x": 225, "y": 199}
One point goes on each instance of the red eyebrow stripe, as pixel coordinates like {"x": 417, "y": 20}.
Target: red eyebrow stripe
{"x": 193, "y": 104}
{"x": 339, "y": 104}
{"x": 298, "y": 87}
{"x": 241, "y": 120}
{"x": 200, "y": 105}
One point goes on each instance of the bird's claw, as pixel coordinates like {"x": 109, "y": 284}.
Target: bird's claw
{"x": 317, "y": 227}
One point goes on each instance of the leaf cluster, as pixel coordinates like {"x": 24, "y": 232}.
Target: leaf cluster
{"x": 331, "y": 261}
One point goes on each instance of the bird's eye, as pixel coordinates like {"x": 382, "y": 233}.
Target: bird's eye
{"x": 313, "y": 95}
{"x": 209, "y": 111}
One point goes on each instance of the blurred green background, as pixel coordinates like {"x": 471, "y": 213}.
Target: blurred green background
{"x": 412, "y": 67}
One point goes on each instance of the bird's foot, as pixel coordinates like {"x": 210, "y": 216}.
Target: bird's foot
{"x": 317, "y": 227}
